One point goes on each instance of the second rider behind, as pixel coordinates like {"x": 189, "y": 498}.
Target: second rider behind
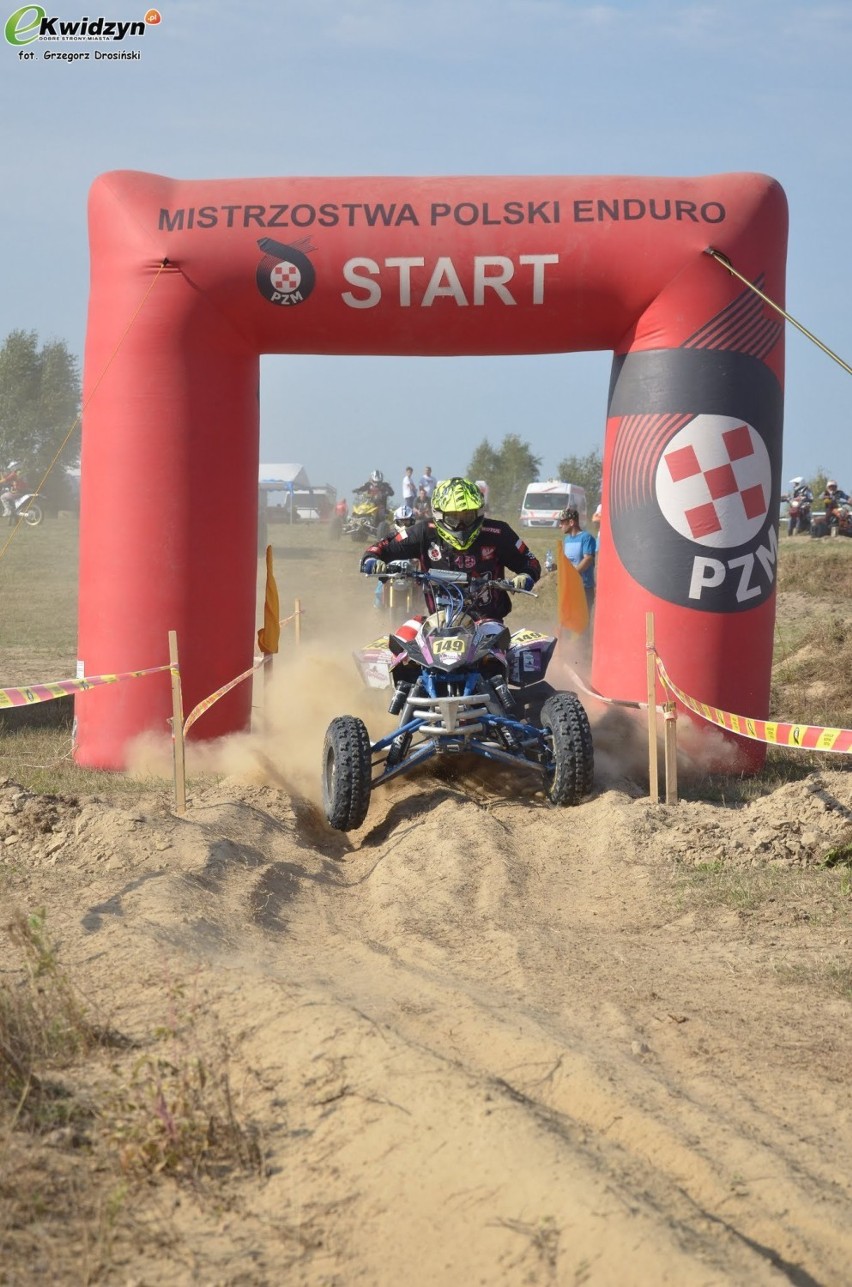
{"x": 459, "y": 538}
{"x": 376, "y": 490}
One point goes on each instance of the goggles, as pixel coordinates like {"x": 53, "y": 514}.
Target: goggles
{"x": 460, "y": 520}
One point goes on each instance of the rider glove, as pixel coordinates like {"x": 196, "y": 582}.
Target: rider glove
{"x": 372, "y": 567}
{"x": 523, "y": 581}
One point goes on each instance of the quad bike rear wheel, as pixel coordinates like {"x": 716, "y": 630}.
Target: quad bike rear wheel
{"x": 346, "y": 773}
{"x": 572, "y": 750}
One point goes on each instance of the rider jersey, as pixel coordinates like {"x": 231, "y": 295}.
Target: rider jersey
{"x": 379, "y": 492}
{"x": 495, "y": 548}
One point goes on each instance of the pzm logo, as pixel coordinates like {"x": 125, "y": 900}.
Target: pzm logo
{"x": 32, "y": 23}
{"x": 285, "y": 275}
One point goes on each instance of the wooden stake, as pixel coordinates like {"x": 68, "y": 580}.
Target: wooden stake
{"x": 267, "y": 683}
{"x": 298, "y": 621}
{"x": 177, "y": 727}
{"x": 651, "y": 674}
{"x": 670, "y": 726}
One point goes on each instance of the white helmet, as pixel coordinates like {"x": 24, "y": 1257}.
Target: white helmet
{"x": 377, "y": 476}
{"x": 796, "y": 482}
{"x": 404, "y": 516}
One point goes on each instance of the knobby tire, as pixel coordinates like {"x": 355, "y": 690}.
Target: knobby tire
{"x": 572, "y": 748}
{"x": 347, "y": 773}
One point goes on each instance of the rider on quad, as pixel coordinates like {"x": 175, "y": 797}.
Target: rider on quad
{"x": 459, "y": 538}
{"x": 376, "y": 490}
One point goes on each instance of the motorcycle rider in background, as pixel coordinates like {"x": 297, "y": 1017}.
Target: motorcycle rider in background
{"x": 12, "y": 485}
{"x": 403, "y": 518}
{"x": 799, "y": 500}
{"x": 459, "y": 538}
{"x": 376, "y": 490}
{"x": 833, "y": 498}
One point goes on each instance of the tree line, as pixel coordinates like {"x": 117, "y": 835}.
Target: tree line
{"x": 511, "y": 467}
{"x": 39, "y": 409}
{"x": 39, "y": 427}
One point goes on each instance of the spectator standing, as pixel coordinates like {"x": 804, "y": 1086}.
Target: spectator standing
{"x": 427, "y": 482}
{"x": 409, "y": 487}
{"x": 579, "y": 548}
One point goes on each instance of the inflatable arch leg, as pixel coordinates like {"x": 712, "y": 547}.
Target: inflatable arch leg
{"x": 191, "y": 281}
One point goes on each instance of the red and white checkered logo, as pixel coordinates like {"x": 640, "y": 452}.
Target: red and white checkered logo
{"x": 714, "y": 481}
{"x": 285, "y": 277}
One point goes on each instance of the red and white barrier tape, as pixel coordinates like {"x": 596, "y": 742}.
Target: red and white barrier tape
{"x": 28, "y": 695}
{"x": 804, "y": 737}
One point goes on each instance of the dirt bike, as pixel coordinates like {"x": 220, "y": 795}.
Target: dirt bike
{"x": 28, "y": 507}
{"x": 798, "y": 514}
{"x": 450, "y": 673}
{"x": 842, "y": 519}
{"x": 367, "y": 522}
{"x": 836, "y": 521}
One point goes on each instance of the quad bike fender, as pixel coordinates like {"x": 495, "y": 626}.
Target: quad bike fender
{"x": 529, "y": 656}
{"x": 374, "y": 662}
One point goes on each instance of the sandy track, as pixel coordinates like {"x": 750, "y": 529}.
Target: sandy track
{"x": 484, "y": 1040}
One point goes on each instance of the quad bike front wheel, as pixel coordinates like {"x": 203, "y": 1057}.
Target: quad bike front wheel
{"x": 572, "y": 751}
{"x": 346, "y": 773}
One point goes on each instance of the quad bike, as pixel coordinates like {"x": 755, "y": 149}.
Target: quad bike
{"x": 450, "y": 675}
{"x": 367, "y": 522}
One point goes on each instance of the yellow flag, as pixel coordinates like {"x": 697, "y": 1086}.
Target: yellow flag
{"x": 573, "y": 607}
{"x": 268, "y": 636}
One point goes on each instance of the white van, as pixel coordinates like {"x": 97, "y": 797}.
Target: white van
{"x": 544, "y": 501}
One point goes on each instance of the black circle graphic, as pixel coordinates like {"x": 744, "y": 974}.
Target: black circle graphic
{"x": 285, "y": 274}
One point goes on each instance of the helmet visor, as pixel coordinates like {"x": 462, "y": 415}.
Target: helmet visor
{"x": 459, "y": 520}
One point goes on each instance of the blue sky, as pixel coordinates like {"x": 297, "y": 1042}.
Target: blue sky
{"x": 503, "y": 87}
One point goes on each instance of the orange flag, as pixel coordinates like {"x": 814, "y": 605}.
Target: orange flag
{"x": 268, "y": 636}
{"x": 573, "y": 608}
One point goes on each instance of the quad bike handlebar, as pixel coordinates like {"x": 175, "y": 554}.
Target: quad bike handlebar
{"x": 457, "y": 586}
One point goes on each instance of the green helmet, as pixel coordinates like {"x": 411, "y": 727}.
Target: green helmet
{"x": 458, "y": 507}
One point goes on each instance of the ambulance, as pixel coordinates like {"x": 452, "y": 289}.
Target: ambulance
{"x": 544, "y": 501}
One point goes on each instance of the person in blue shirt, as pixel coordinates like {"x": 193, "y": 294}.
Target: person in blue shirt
{"x": 579, "y": 548}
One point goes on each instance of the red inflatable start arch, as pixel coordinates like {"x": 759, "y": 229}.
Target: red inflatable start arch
{"x": 428, "y": 266}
